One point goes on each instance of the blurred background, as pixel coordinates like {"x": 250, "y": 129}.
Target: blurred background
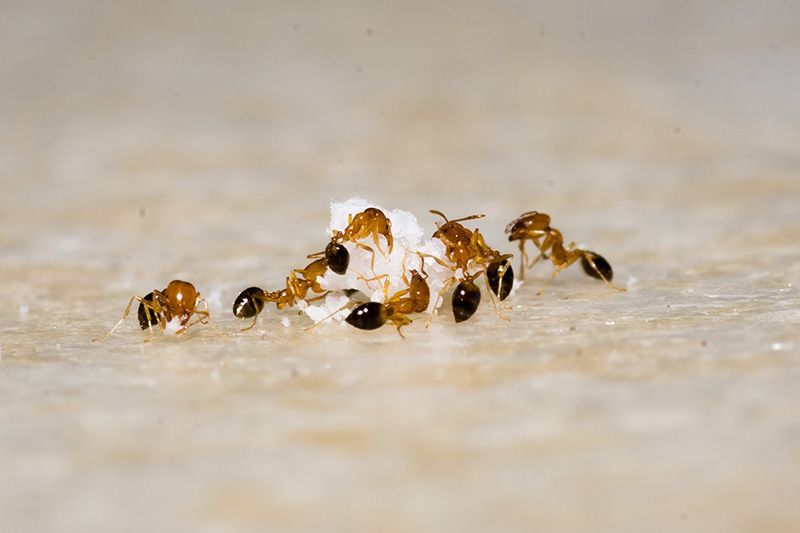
{"x": 143, "y": 141}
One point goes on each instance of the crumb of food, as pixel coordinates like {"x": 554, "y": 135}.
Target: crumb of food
{"x": 334, "y": 307}
{"x": 173, "y": 326}
{"x": 384, "y": 276}
{"x": 286, "y": 322}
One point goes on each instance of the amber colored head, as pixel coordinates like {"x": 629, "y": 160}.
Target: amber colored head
{"x": 182, "y": 298}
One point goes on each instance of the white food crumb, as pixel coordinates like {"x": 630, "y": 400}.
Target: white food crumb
{"x": 173, "y": 326}
{"x": 286, "y": 322}
{"x": 334, "y": 307}
{"x": 409, "y": 238}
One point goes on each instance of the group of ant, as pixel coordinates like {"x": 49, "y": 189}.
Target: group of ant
{"x": 465, "y": 251}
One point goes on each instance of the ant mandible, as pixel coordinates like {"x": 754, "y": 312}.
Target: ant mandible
{"x": 180, "y": 300}
{"x": 372, "y": 221}
{"x": 414, "y": 299}
{"x": 251, "y": 301}
{"x": 535, "y": 226}
{"x": 463, "y": 247}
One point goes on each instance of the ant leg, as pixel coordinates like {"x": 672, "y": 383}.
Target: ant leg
{"x": 121, "y": 320}
{"x": 367, "y": 280}
{"x": 320, "y": 297}
{"x": 251, "y": 326}
{"x": 441, "y": 263}
{"x": 523, "y": 259}
{"x": 551, "y": 278}
{"x": 204, "y": 317}
{"x": 400, "y": 321}
{"x": 370, "y": 250}
{"x": 447, "y": 284}
{"x": 546, "y": 283}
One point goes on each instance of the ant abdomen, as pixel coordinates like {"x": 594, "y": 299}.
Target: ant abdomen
{"x": 249, "y": 303}
{"x": 147, "y": 317}
{"x": 370, "y": 315}
{"x": 466, "y": 298}
{"x": 338, "y": 257}
{"x": 501, "y": 278}
{"x": 601, "y": 270}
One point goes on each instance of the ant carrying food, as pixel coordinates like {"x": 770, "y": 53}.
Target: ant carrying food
{"x": 464, "y": 249}
{"x": 414, "y": 299}
{"x": 372, "y": 221}
{"x": 251, "y": 301}
{"x": 534, "y": 226}
{"x": 179, "y": 301}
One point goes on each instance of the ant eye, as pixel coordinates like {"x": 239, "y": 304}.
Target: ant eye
{"x": 146, "y": 315}
{"x": 338, "y": 257}
{"x": 370, "y": 315}
{"x": 501, "y": 286}
{"x": 602, "y": 270}
{"x": 466, "y": 298}
{"x": 249, "y": 303}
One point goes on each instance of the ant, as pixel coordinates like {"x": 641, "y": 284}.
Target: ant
{"x": 251, "y": 301}
{"x": 535, "y": 226}
{"x": 180, "y": 300}
{"x": 371, "y": 221}
{"x": 464, "y": 247}
{"x": 414, "y": 299}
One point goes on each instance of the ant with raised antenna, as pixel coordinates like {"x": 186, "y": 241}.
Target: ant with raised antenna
{"x": 180, "y": 300}
{"x": 371, "y": 221}
{"x": 251, "y": 301}
{"x": 465, "y": 248}
{"x": 535, "y": 226}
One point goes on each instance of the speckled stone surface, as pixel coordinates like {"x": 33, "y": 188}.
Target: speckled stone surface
{"x": 142, "y": 142}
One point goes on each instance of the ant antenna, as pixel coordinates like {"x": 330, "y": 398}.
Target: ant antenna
{"x": 462, "y": 219}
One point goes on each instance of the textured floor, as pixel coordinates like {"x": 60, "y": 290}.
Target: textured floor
{"x": 141, "y": 142}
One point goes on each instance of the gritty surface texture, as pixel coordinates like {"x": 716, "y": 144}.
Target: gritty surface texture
{"x": 148, "y": 141}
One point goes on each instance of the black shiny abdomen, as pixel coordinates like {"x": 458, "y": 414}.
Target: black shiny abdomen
{"x": 338, "y": 257}
{"x": 466, "y": 298}
{"x": 370, "y": 315}
{"x": 500, "y": 287}
{"x": 249, "y": 303}
{"x": 147, "y": 317}
{"x": 602, "y": 265}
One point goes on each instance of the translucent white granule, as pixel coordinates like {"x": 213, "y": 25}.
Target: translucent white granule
{"x": 409, "y": 238}
{"x": 173, "y": 326}
{"x": 286, "y": 322}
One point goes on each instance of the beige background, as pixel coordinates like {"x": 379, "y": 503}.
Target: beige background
{"x": 143, "y": 141}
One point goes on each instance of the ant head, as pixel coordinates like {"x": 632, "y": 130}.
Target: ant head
{"x": 451, "y": 223}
